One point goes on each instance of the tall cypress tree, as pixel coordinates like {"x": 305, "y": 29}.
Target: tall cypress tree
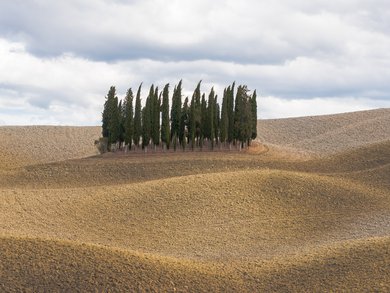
{"x": 184, "y": 124}
{"x": 107, "y": 112}
{"x": 165, "y": 131}
{"x": 238, "y": 113}
{"x": 195, "y": 116}
{"x": 121, "y": 113}
{"x": 114, "y": 121}
{"x": 176, "y": 113}
{"x": 192, "y": 124}
{"x": 137, "y": 117}
{"x": 230, "y": 107}
{"x": 224, "y": 118}
{"x": 243, "y": 116}
{"x": 203, "y": 119}
{"x": 146, "y": 122}
{"x": 154, "y": 115}
{"x": 129, "y": 118}
{"x": 216, "y": 119}
{"x": 254, "y": 115}
{"x": 210, "y": 118}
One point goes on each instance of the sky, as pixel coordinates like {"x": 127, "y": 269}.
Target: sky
{"x": 59, "y": 58}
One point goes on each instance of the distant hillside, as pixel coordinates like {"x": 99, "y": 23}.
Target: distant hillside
{"x": 27, "y": 145}
{"x": 327, "y": 134}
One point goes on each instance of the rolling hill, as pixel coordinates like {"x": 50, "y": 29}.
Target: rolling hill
{"x": 306, "y": 209}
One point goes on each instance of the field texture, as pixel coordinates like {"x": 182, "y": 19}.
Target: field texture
{"x": 305, "y": 209}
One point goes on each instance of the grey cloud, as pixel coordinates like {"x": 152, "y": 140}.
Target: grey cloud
{"x": 53, "y": 29}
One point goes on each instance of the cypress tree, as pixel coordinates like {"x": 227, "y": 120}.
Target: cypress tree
{"x": 238, "y": 113}
{"x": 114, "y": 121}
{"x": 195, "y": 116}
{"x": 121, "y": 112}
{"x": 216, "y": 120}
{"x": 176, "y": 113}
{"x": 146, "y": 123}
{"x": 203, "y": 120}
{"x": 107, "y": 112}
{"x": 192, "y": 124}
{"x": 154, "y": 115}
{"x": 137, "y": 117}
{"x": 129, "y": 118}
{"x": 224, "y": 118}
{"x": 210, "y": 118}
{"x": 165, "y": 132}
{"x": 230, "y": 107}
{"x": 254, "y": 115}
{"x": 243, "y": 116}
{"x": 184, "y": 124}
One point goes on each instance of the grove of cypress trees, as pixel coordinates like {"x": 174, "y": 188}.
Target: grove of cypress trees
{"x": 137, "y": 117}
{"x": 235, "y": 121}
{"x": 165, "y": 130}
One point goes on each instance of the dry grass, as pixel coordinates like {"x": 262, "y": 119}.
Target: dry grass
{"x": 262, "y": 220}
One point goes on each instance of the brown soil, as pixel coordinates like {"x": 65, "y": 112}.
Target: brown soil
{"x": 266, "y": 219}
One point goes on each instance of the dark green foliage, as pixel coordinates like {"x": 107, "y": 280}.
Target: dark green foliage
{"x": 254, "y": 115}
{"x": 137, "y": 117}
{"x": 121, "y": 111}
{"x": 209, "y": 127}
{"x": 224, "y": 124}
{"x": 165, "y": 130}
{"x": 217, "y": 119}
{"x": 176, "y": 113}
{"x": 155, "y": 116}
{"x": 184, "y": 120}
{"x": 195, "y": 116}
{"x": 203, "y": 120}
{"x": 111, "y": 117}
{"x": 129, "y": 118}
{"x": 106, "y": 114}
{"x": 147, "y": 112}
{"x": 242, "y": 116}
{"x": 230, "y": 109}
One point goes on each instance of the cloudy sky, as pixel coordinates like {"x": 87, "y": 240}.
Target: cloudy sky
{"x": 59, "y": 58}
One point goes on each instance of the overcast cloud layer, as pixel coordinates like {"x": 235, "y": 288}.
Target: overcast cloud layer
{"x": 59, "y": 58}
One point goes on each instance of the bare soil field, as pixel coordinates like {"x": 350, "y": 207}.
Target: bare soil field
{"x": 328, "y": 134}
{"x": 278, "y": 217}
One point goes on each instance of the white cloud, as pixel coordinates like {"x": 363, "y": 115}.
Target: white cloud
{"x": 58, "y": 59}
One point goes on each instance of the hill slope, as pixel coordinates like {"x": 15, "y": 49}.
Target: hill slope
{"x": 328, "y": 134}
{"x": 259, "y": 220}
{"x": 28, "y": 145}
